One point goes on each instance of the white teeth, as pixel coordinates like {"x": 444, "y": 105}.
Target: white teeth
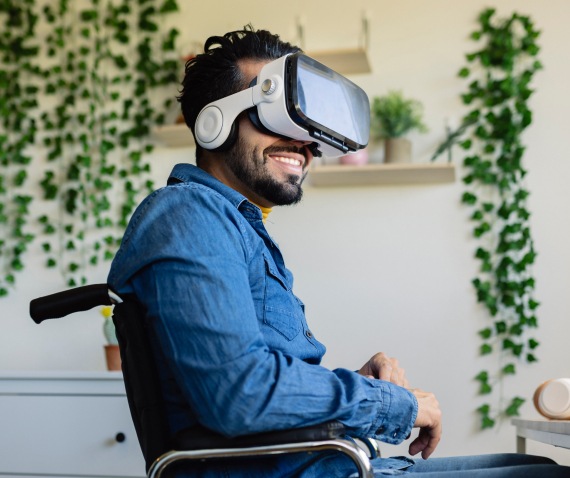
{"x": 294, "y": 162}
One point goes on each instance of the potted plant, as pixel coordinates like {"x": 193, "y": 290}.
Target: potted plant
{"x": 112, "y": 354}
{"x": 394, "y": 116}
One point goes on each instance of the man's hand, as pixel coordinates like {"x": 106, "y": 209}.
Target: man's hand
{"x": 429, "y": 423}
{"x": 382, "y": 367}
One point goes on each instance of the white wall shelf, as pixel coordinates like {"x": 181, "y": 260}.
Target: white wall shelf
{"x": 174, "y": 135}
{"x": 347, "y": 61}
{"x": 381, "y": 174}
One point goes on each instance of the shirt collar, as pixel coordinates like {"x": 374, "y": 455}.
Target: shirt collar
{"x": 189, "y": 173}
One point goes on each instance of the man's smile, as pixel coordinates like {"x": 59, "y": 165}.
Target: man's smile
{"x": 283, "y": 159}
{"x": 288, "y": 163}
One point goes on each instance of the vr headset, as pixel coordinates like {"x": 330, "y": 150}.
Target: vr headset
{"x": 294, "y": 97}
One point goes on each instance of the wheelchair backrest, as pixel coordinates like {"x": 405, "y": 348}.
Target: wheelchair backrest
{"x": 141, "y": 377}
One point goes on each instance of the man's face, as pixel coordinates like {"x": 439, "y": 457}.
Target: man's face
{"x": 270, "y": 169}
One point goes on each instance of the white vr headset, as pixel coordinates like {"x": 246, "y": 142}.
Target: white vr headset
{"x": 294, "y": 97}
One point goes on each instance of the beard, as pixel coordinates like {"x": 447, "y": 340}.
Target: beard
{"x": 249, "y": 165}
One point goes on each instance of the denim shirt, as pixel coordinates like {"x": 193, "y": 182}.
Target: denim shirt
{"x": 234, "y": 349}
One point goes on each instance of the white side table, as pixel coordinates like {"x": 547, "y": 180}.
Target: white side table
{"x": 553, "y": 432}
{"x": 67, "y": 424}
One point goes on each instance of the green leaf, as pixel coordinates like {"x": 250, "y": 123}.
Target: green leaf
{"x": 500, "y": 327}
{"x": 532, "y": 304}
{"x": 169, "y": 6}
{"x": 469, "y": 198}
{"x": 530, "y": 358}
{"x": 482, "y": 376}
{"x": 487, "y": 422}
{"x": 463, "y": 73}
{"x": 513, "y": 409}
{"x": 485, "y": 349}
{"x": 509, "y": 369}
{"x": 484, "y": 409}
{"x": 485, "y": 389}
{"x": 486, "y": 333}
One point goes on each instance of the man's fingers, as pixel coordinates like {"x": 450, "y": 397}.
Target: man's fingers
{"x": 426, "y": 442}
{"x": 385, "y": 368}
{"x": 385, "y": 371}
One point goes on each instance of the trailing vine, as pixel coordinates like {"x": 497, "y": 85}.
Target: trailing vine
{"x": 18, "y": 99}
{"x": 500, "y": 74}
{"x": 107, "y": 72}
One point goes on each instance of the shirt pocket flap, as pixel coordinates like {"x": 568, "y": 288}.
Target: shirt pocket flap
{"x": 282, "y": 310}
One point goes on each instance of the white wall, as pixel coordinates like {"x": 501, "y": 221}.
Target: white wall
{"x": 385, "y": 268}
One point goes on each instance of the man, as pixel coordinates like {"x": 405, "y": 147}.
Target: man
{"x": 234, "y": 350}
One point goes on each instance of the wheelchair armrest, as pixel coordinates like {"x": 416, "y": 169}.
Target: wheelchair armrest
{"x": 199, "y": 437}
{"x": 60, "y": 304}
{"x": 198, "y": 443}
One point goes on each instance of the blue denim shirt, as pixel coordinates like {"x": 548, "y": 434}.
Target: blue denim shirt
{"x": 234, "y": 349}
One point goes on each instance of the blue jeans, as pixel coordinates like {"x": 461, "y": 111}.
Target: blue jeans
{"x": 491, "y": 466}
{"x": 336, "y": 465}
{"x": 483, "y": 466}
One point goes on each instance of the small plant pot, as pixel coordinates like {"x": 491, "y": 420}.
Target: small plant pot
{"x": 357, "y": 158}
{"x": 397, "y": 150}
{"x": 113, "y": 357}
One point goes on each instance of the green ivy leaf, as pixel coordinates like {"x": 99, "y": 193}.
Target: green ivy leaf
{"x": 487, "y": 422}
{"x": 463, "y": 73}
{"x": 509, "y": 369}
{"x": 531, "y": 358}
{"x": 513, "y": 408}
{"x": 482, "y": 376}
{"x": 169, "y": 6}
{"x": 500, "y": 327}
{"x": 486, "y": 333}
{"x": 485, "y": 389}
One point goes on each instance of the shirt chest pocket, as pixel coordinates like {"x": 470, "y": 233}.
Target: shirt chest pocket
{"x": 282, "y": 311}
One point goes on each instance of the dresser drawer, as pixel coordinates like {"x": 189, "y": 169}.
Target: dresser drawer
{"x": 68, "y": 435}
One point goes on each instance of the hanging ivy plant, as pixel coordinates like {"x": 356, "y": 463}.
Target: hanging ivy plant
{"x": 18, "y": 99}
{"x": 500, "y": 74}
{"x": 107, "y": 73}
{"x": 110, "y": 61}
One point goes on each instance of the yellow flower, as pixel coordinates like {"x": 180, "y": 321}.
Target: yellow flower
{"x": 107, "y": 311}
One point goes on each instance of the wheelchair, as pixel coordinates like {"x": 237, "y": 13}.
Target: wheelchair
{"x": 146, "y": 405}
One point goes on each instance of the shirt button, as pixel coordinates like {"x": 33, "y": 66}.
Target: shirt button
{"x": 380, "y": 431}
{"x": 309, "y": 334}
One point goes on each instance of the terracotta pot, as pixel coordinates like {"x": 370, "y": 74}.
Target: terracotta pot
{"x": 113, "y": 357}
{"x": 397, "y": 150}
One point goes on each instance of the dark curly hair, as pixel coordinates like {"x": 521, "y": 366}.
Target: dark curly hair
{"x": 215, "y": 74}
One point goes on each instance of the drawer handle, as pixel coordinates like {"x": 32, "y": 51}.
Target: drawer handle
{"x": 120, "y": 437}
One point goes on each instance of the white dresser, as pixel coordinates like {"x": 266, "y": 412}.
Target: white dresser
{"x": 72, "y": 424}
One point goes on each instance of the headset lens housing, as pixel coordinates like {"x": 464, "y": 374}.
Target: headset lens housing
{"x": 331, "y": 107}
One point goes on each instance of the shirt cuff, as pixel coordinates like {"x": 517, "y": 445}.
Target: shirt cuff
{"x": 396, "y": 415}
